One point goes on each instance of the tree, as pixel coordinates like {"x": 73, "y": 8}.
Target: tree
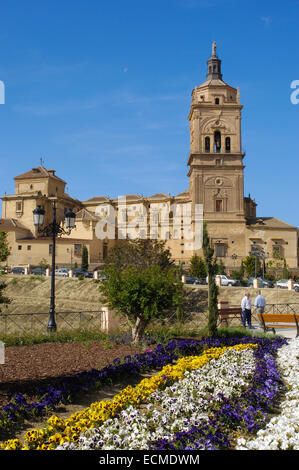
{"x": 285, "y": 272}
{"x": 221, "y": 267}
{"x": 197, "y": 267}
{"x": 141, "y": 253}
{"x": 43, "y": 263}
{"x": 251, "y": 264}
{"x": 141, "y": 294}
{"x": 213, "y": 289}
{"x": 4, "y": 249}
{"x": 84, "y": 258}
{"x": 240, "y": 273}
{"x": 4, "y": 253}
{"x": 142, "y": 283}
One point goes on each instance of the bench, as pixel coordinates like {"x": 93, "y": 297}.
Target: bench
{"x": 225, "y": 314}
{"x": 271, "y": 320}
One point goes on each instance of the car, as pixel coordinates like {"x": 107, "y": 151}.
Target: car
{"x": 18, "y": 270}
{"x": 282, "y": 284}
{"x": 79, "y": 271}
{"x": 88, "y": 274}
{"x": 226, "y": 280}
{"x": 193, "y": 280}
{"x": 296, "y": 286}
{"x": 63, "y": 272}
{"x": 38, "y": 271}
{"x": 262, "y": 282}
{"x": 101, "y": 276}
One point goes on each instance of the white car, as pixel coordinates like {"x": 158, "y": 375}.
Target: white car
{"x": 63, "y": 272}
{"x": 282, "y": 284}
{"x": 226, "y": 280}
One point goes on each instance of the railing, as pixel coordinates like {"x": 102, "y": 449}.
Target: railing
{"x": 12, "y": 323}
{"x": 282, "y": 308}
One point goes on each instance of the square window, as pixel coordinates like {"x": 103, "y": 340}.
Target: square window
{"x": 77, "y": 250}
{"x": 219, "y": 250}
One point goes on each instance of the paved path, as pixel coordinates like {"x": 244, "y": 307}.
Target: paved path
{"x": 286, "y": 332}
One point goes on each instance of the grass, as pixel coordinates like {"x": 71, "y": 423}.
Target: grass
{"x": 61, "y": 336}
{"x": 156, "y": 332}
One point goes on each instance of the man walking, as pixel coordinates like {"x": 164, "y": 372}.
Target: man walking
{"x": 246, "y": 310}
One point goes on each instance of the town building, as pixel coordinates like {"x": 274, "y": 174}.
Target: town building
{"x": 216, "y": 185}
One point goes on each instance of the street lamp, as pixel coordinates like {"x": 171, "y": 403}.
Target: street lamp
{"x": 53, "y": 230}
{"x": 234, "y": 257}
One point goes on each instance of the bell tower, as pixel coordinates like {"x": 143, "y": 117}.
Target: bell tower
{"x": 216, "y": 157}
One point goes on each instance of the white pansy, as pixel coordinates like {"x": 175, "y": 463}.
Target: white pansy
{"x": 282, "y": 432}
{"x": 177, "y": 408}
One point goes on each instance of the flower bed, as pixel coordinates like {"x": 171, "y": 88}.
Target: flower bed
{"x": 243, "y": 408}
{"x": 45, "y": 399}
{"x": 282, "y": 431}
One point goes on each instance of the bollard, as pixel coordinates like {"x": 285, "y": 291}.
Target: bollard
{"x": 290, "y": 284}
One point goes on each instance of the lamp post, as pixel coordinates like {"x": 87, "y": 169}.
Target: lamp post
{"x": 255, "y": 253}
{"x": 234, "y": 257}
{"x": 53, "y": 230}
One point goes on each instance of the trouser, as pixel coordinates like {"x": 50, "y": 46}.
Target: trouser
{"x": 246, "y": 317}
{"x": 260, "y": 310}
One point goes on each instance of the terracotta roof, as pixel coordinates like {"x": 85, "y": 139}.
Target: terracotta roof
{"x": 38, "y": 172}
{"x": 214, "y": 82}
{"x": 12, "y": 224}
{"x": 158, "y": 195}
{"x": 132, "y": 196}
{"x": 269, "y": 222}
{"x": 84, "y": 214}
{"x": 183, "y": 194}
{"x": 98, "y": 198}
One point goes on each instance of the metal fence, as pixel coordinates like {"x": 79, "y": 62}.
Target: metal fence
{"x": 14, "y": 323}
{"x": 282, "y": 308}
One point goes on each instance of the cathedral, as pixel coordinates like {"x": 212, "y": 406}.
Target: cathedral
{"x": 216, "y": 185}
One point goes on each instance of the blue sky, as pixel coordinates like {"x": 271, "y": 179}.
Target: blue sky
{"x": 102, "y": 90}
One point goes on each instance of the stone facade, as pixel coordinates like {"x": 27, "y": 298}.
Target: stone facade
{"x": 216, "y": 183}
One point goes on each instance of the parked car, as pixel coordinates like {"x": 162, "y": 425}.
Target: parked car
{"x": 18, "y": 270}
{"x": 38, "y": 271}
{"x": 193, "y": 280}
{"x": 282, "y": 284}
{"x": 63, "y": 272}
{"x": 227, "y": 280}
{"x": 296, "y": 286}
{"x": 78, "y": 271}
{"x": 102, "y": 276}
{"x": 262, "y": 282}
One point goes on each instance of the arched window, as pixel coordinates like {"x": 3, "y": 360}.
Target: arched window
{"x": 227, "y": 144}
{"x": 207, "y": 144}
{"x": 219, "y": 205}
{"x": 217, "y": 142}
{"x": 216, "y": 100}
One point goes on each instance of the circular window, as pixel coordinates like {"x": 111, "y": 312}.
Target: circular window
{"x": 218, "y": 181}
